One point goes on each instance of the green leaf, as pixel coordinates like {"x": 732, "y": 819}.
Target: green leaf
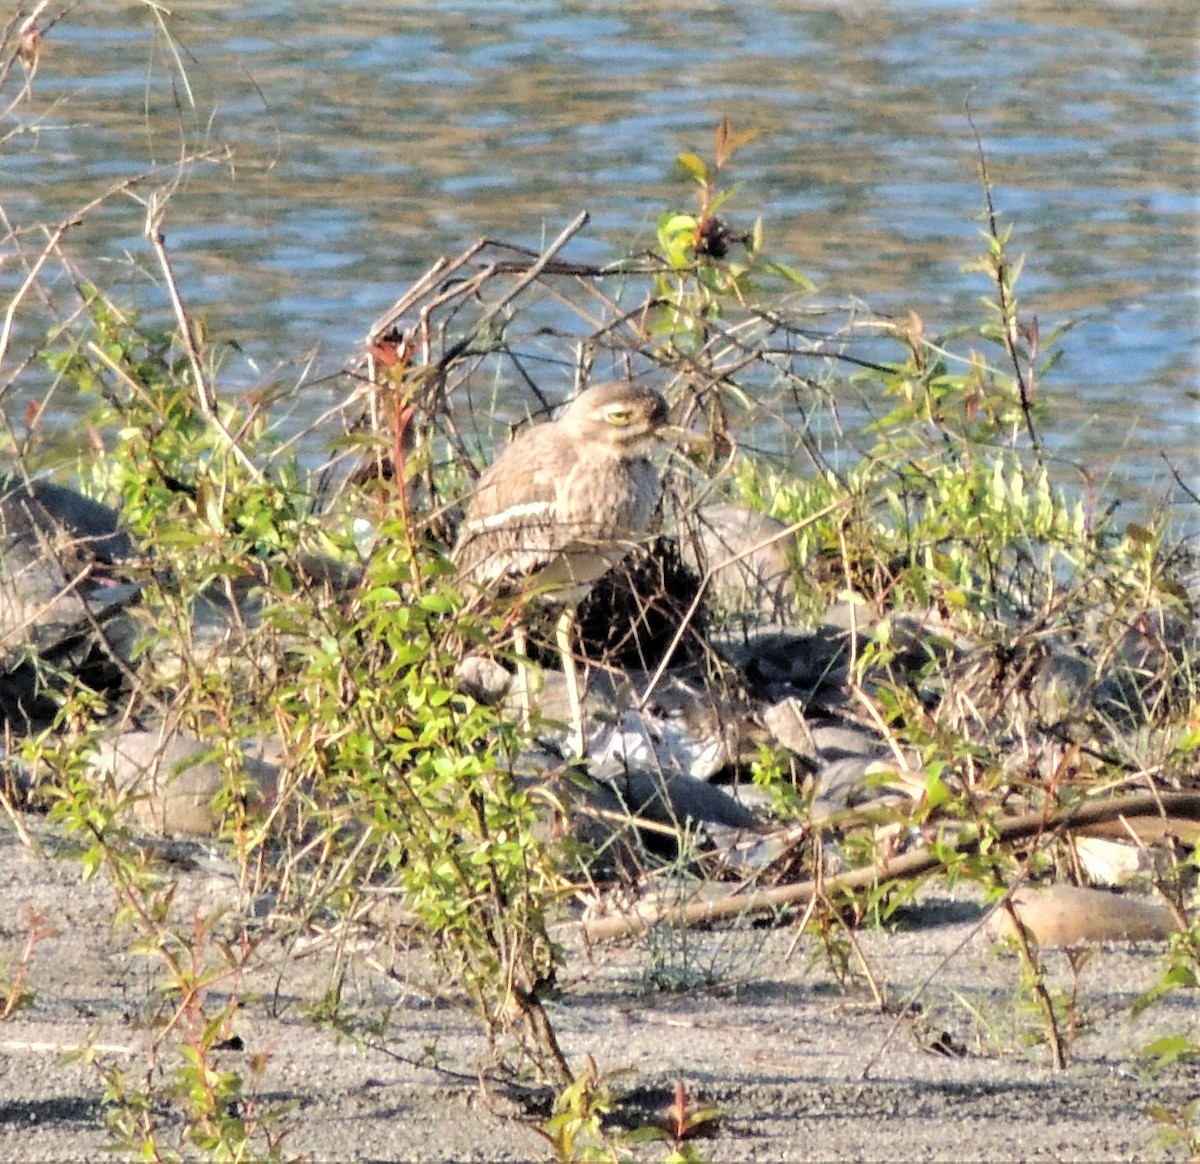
{"x": 784, "y": 271}
{"x": 692, "y": 166}
{"x": 1171, "y": 1049}
{"x": 936, "y": 790}
{"x": 676, "y": 224}
{"x": 1189, "y": 740}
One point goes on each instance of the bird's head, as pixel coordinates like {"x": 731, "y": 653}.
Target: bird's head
{"x": 621, "y": 416}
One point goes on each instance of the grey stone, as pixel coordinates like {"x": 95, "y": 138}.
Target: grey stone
{"x": 171, "y": 779}
{"x": 778, "y": 663}
{"x": 482, "y": 678}
{"x": 56, "y": 550}
{"x": 673, "y": 799}
{"x": 843, "y": 783}
{"x": 786, "y": 723}
{"x": 747, "y": 553}
{"x": 1072, "y": 915}
{"x": 836, "y": 741}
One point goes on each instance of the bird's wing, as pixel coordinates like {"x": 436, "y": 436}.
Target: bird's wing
{"x": 511, "y": 525}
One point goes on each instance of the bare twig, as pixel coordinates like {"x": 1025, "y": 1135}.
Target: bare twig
{"x": 27, "y": 839}
{"x": 1189, "y": 492}
{"x": 530, "y": 275}
{"x": 51, "y": 247}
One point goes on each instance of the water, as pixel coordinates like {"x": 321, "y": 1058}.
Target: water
{"x": 367, "y": 143}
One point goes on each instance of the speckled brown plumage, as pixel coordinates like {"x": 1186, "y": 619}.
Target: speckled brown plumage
{"x": 566, "y": 501}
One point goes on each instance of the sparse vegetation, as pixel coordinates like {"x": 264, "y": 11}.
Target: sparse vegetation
{"x": 1017, "y": 655}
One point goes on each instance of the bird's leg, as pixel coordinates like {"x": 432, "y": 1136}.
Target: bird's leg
{"x": 562, "y": 636}
{"x": 521, "y": 648}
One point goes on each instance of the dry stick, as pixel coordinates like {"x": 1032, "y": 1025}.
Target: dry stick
{"x": 868, "y": 705}
{"x": 455, "y": 350}
{"x": 26, "y": 51}
{"x": 440, "y": 270}
{"x": 8, "y": 1046}
{"x": 877, "y": 990}
{"x": 1189, "y": 492}
{"x": 134, "y": 387}
{"x": 114, "y": 655}
{"x": 204, "y": 391}
{"x": 627, "y": 820}
{"x": 904, "y": 1010}
{"x": 733, "y": 905}
{"x": 16, "y": 635}
{"x": 56, "y": 236}
{"x": 15, "y": 302}
{"x": 27, "y": 838}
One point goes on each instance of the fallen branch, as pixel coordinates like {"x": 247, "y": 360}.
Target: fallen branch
{"x": 701, "y": 909}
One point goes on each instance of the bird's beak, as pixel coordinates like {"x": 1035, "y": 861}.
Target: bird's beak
{"x": 683, "y": 438}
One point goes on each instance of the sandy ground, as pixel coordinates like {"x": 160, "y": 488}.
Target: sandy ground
{"x": 763, "y": 1032}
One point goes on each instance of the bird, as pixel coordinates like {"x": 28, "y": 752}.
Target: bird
{"x": 564, "y": 503}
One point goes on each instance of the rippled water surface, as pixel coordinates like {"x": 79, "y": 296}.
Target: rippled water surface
{"x": 369, "y": 140}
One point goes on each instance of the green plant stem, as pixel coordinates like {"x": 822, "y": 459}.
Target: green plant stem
{"x": 1033, "y": 971}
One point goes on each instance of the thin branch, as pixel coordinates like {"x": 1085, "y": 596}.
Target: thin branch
{"x": 204, "y": 392}
{"x": 1008, "y": 320}
{"x": 1188, "y": 492}
{"x": 530, "y": 276}
{"x": 51, "y": 247}
{"x": 1034, "y": 970}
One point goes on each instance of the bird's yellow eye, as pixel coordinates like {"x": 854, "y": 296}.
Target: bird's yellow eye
{"x": 618, "y": 414}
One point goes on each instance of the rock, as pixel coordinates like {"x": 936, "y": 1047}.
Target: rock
{"x": 547, "y": 695}
{"x": 786, "y": 722}
{"x": 840, "y": 741}
{"x": 1109, "y": 862}
{"x": 57, "y": 548}
{"x": 1061, "y": 685}
{"x": 483, "y": 678}
{"x": 93, "y": 528}
{"x": 682, "y": 729}
{"x": 913, "y": 638}
{"x": 641, "y": 740}
{"x": 624, "y": 813}
{"x": 316, "y": 569}
{"x": 1150, "y": 664}
{"x": 225, "y": 635}
{"x": 778, "y": 664}
{"x": 841, "y": 784}
{"x": 846, "y": 761}
{"x": 63, "y": 610}
{"x": 1068, "y": 915}
{"x": 677, "y": 800}
{"x": 173, "y": 779}
{"x": 747, "y": 553}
